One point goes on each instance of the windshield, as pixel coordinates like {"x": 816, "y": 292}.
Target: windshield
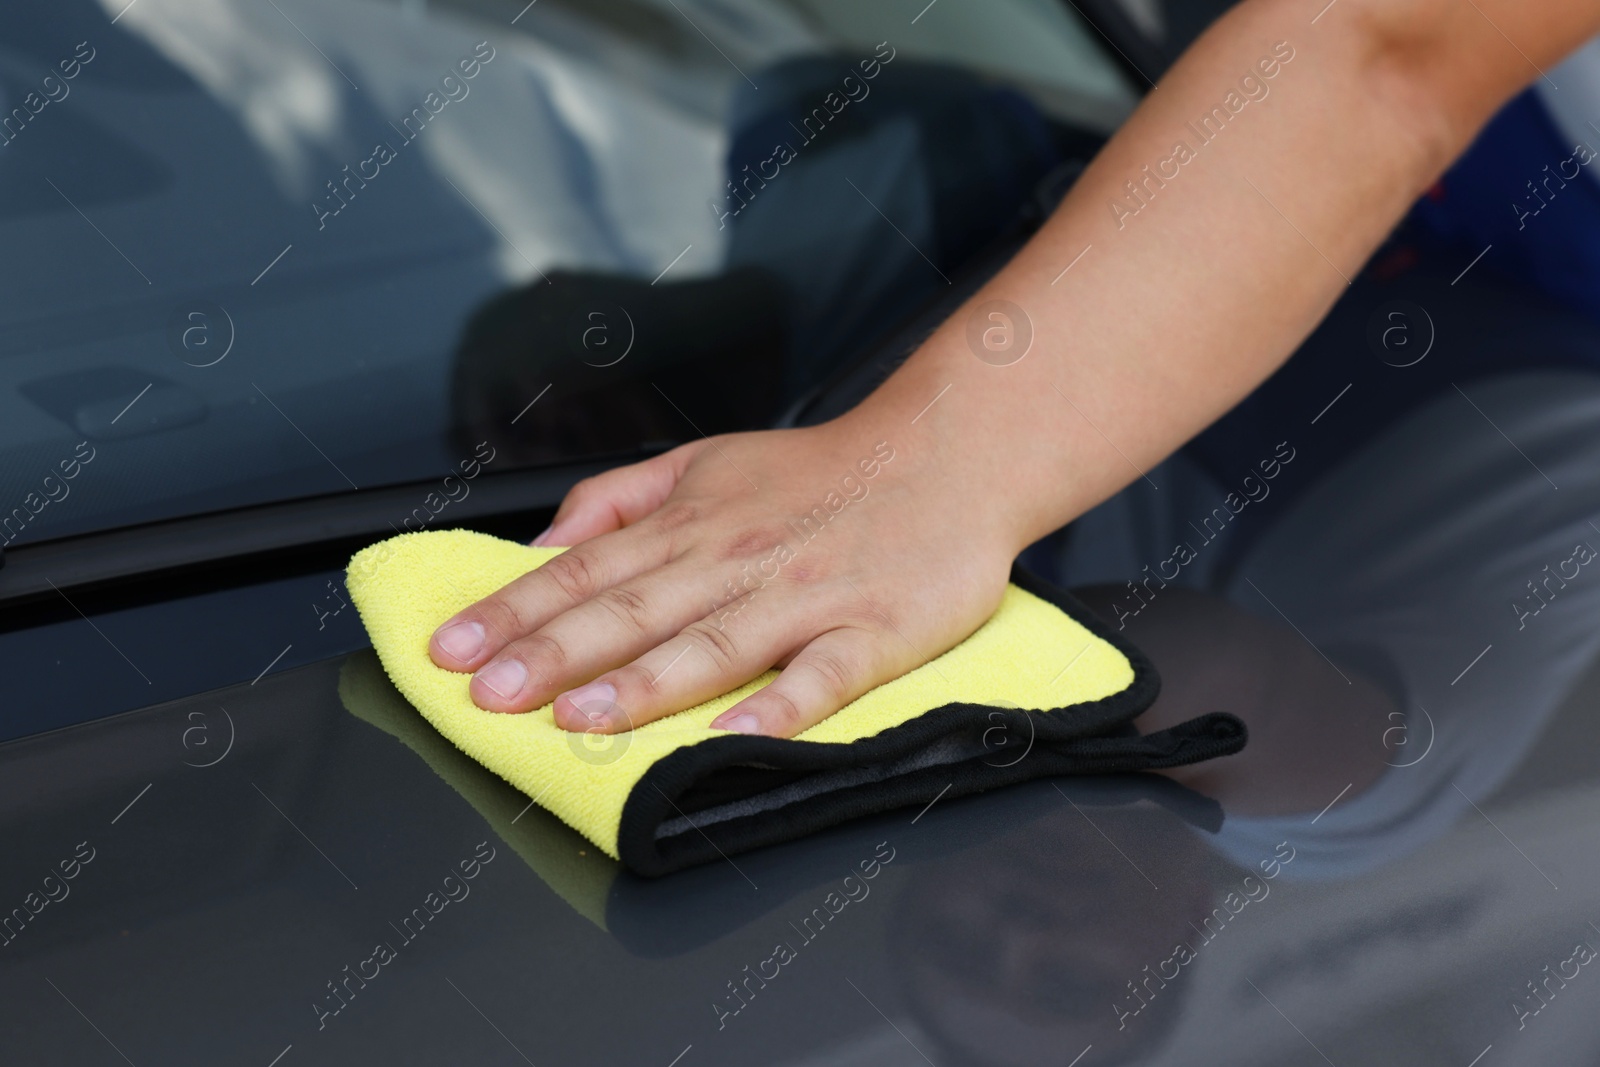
{"x": 259, "y": 251}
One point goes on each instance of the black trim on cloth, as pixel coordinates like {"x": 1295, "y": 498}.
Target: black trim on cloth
{"x": 1094, "y": 737}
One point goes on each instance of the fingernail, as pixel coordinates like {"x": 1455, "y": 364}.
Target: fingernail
{"x": 461, "y": 640}
{"x": 538, "y": 542}
{"x": 595, "y": 700}
{"x": 504, "y": 679}
{"x": 741, "y": 724}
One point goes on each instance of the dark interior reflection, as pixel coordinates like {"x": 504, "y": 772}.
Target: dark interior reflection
{"x": 1020, "y": 951}
{"x": 810, "y": 285}
{"x": 628, "y": 365}
{"x": 396, "y": 333}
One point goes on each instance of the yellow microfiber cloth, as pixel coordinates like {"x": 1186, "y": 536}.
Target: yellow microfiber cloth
{"x": 1043, "y": 687}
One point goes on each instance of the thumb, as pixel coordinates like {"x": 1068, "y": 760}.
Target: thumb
{"x": 616, "y": 498}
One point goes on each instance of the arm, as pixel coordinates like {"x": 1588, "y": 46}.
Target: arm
{"x": 694, "y": 571}
{"x": 1178, "y": 311}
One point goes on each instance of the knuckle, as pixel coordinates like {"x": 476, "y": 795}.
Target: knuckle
{"x": 542, "y": 653}
{"x": 575, "y": 576}
{"x": 754, "y": 541}
{"x": 833, "y": 673}
{"x": 866, "y": 618}
{"x": 672, "y": 516}
{"x": 504, "y": 615}
{"x": 715, "y": 642}
{"x": 583, "y": 489}
{"x": 627, "y": 606}
{"x": 637, "y": 680}
{"x": 804, "y": 572}
{"x": 782, "y": 710}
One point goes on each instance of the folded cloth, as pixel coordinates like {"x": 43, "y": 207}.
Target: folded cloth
{"x": 1041, "y": 688}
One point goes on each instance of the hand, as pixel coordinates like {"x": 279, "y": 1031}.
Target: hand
{"x": 841, "y": 557}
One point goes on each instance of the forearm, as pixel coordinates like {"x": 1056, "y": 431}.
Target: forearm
{"x": 1191, "y": 285}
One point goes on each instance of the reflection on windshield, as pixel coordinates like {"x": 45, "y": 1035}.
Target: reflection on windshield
{"x": 268, "y": 251}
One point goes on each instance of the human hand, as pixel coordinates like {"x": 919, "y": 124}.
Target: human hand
{"x": 825, "y": 551}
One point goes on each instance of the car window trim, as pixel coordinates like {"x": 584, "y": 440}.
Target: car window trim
{"x": 43, "y": 569}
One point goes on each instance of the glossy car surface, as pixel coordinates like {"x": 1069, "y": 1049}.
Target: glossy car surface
{"x": 227, "y": 839}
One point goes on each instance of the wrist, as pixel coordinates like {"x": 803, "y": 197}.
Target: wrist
{"x": 959, "y": 481}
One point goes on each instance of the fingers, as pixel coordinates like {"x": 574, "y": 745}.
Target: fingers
{"x": 616, "y": 498}
{"x": 710, "y": 656}
{"x": 604, "y": 632}
{"x": 823, "y": 677}
{"x": 709, "y": 659}
{"x": 613, "y": 502}
{"x": 471, "y": 638}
